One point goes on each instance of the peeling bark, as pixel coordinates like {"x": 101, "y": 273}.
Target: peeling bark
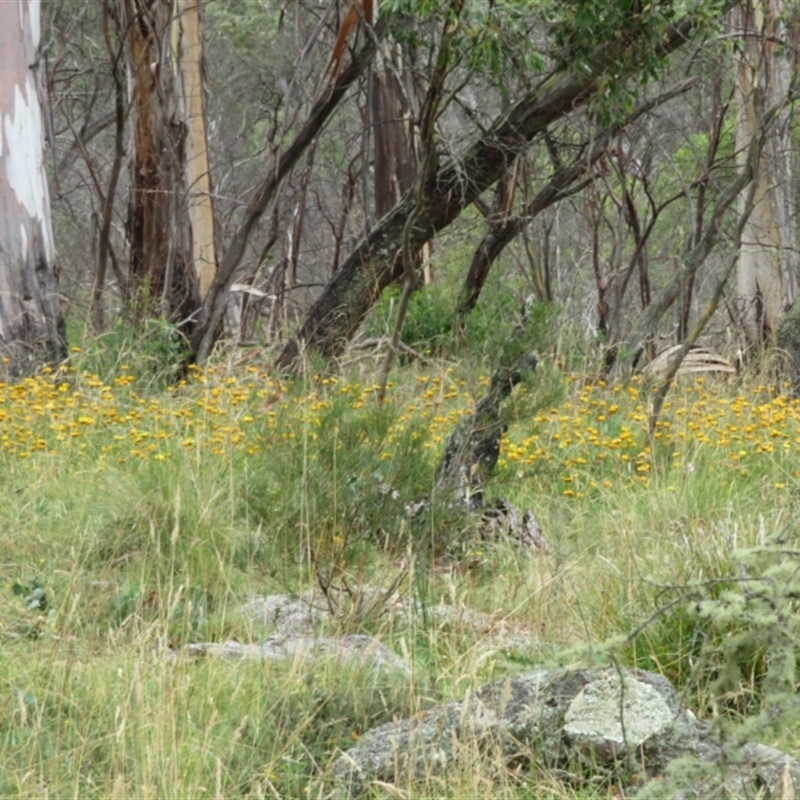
{"x": 31, "y": 324}
{"x": 153, "y": 168}
{"x": 395, "y": 157}
{"x": 170, "y": 219}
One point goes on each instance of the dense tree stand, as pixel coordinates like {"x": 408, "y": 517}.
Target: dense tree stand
{"x": 377, "y": 260}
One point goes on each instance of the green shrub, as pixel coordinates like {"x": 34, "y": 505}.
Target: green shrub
{"x": 484, "y": 335}
{"x": 346, "y": 477}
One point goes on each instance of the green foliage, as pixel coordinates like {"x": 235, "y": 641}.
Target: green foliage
{"x": 730, "y": 638}
{"x": 351, "y": 476}
{"x": 32, "y": 594}
{"x": 261, "y": 730}
{"x": 754, "y": 618}
{"x": 578, "y": 26}
{"x": 743, "y": 654}
{"x": 245, "y": 27}
{"x": 427, "y": 327}
{"x": 154, "y": 352}
{"x": 492, "y": 40}
{"x": 632, "y": 33}
{"x": 484, "y": 336}
{"x": 186, "y": 619}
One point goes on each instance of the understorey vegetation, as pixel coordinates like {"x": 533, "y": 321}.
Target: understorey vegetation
{"x": 139, "y": 518}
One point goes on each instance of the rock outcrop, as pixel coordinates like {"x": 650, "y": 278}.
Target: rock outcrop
{"x": 309, "y": 613}
{"x": 623, "y": 726}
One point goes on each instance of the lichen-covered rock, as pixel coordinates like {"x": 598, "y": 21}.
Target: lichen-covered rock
{"x": 754, "y": 771}
{"x": 554, "y": 717}
{"x": 595, "y": 723}
{"x": 618, "y": 716}
{"x": 309, "y": 613}
{"x": 287, "y": 614}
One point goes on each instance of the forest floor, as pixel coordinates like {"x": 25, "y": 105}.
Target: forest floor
{"x": 138, "y": 517}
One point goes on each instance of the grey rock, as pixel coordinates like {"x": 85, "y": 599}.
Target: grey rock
{"x": 625, "y": 715}
{"x": 496, "y": 631}
{"x": 764, "y": 769}
{"x": 309, "y": 614}
{"x": 357, "y": 648}
{"x": 594, "y": 723}
{"x": 551, "y": 717}
{"x": 310, "y": 611}
{"x": 755, "y": 771}
{"x": 287, "y": 614}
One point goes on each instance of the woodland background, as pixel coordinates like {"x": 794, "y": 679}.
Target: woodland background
{"x": 623, "y": 213}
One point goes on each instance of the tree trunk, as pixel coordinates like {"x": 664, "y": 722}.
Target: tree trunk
{"x": 715, "y": 128}
{"x": 107, "y": 198}
{"x": 377, "y": 260}
{"x": 31, "y": 324}
{"x": 189, "y": 57}
{"x": 153, "y": 167}
{"x": 500, "y": 231}
{"x": 392, "y": 119}
{"x": 295, "y": 237}
{"x": 170, "y": 218}
{"x": 394, "y": 105}
{"x": 768, "y": 262}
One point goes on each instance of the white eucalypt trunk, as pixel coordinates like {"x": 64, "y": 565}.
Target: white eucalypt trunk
{"x": 31, "y": 324}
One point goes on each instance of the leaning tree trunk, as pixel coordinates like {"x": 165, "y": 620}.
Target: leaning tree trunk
{"x": 565, "y": 181}
{"x": 768, "y": 262}
{"x": 377, "y": 260}
{"x": 31, "y": 324}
